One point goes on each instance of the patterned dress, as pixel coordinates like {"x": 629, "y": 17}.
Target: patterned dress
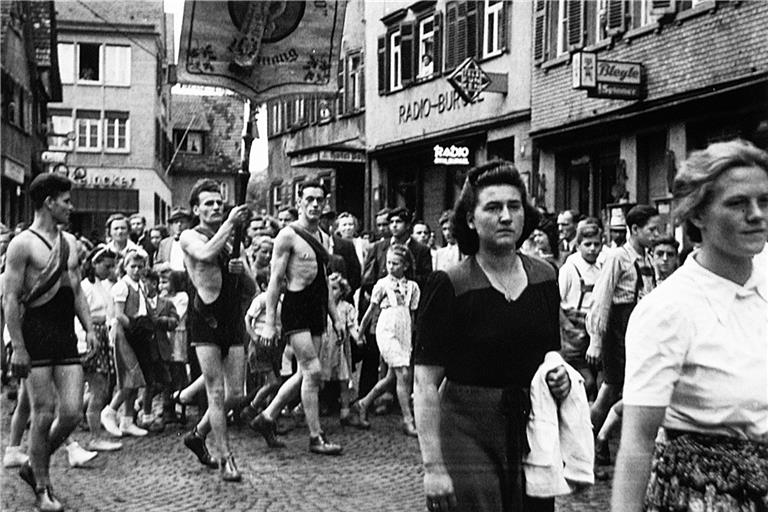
{"x": 396, "y": 298}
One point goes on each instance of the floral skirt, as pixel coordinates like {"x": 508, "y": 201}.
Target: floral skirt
{"x": 703, "y": 472}
{"x": 101, "y": 361}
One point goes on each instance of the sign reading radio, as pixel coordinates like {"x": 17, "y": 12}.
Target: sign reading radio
{"x": 94, "y": 179}
{"x": 454, "y": 155}
{"x": 610, "y": 79}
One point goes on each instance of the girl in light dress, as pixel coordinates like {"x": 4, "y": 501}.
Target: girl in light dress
{"x": 336, "y": 353}
{"x": 394, "y": 299}
{"x": 172, "y": 283}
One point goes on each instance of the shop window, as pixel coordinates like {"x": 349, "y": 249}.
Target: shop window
{"x": 66, "y": 62}
{"x": 493, "y": 30}
{"x": 192, "y": 142}
{"x": 61, "y": 125}
{"x": 117, "y": 65}
{"x": 89, "y": 62}
{"x": 88, "y": 130}
{"x": 116, "y": 126}
{"x": 395, "y": 75}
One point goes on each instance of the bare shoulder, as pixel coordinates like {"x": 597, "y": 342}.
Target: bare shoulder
{"x": 285, "y": 239}
{"x": 190, "y": 236}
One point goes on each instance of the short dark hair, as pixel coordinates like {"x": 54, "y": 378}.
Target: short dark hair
{"x": 588, "y": 230}
{"x": 311, "y": 184}
{"x": 401, "y": 212}
{"x": 497, "y": 172}
{"x": 45, "y": 185}
{"x": 151, "y": 275}
{"x": 383, "y": 211}
{"x": 667, "y": 240}
{"x": 177, "y": 281}
{"x": 639, "y": 215}
{"x": 424, "y": 223}
{"x": 290, "y": 209}
{"x": 202, "y": 185}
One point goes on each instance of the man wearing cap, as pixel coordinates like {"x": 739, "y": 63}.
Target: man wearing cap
{"x": 170, "y": 249}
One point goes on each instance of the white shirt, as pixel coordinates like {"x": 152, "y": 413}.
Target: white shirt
{"x": 446, "y": 257}
{"x": 176, "y": 258}
{"x": 570, "y": 286}
{"x": 120, "y": 293}
{"x": 698, "y": 345}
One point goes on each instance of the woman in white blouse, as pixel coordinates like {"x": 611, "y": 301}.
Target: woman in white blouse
{"x": 697, "y": 349}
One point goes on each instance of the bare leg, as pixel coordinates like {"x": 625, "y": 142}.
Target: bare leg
{"x": 20, "y": 416}
{"x": 404, "y": 388}
{"x": 97, "y": 384}
{"x": 271, "y": 385}
{"x": 214, "y": 420}
{"x": 383, "y": 385}
{"x": 188, "y": 393}
{"x": 606, "y": 397}
{"x": 304, "y": 346}
{"x": 69, "y": 384}
{"x": 285, "y": 394}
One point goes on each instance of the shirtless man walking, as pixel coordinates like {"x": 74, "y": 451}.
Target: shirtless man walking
{"x": 42, "y": 297}
{"x": 300, "y": 256}
{"x": 214, "y": 320}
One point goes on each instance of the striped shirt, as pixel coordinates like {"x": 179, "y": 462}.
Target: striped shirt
{"x": 617, "y": 284}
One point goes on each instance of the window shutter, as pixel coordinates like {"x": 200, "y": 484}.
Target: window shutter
{"x": 381, "y": 55}
{"x": 349, "y": 99}
{"x": 503, "y": 22}
{"x": 575, "y": 13}
{"x": 451, "y": 39}
{"x": 361, "y": 92}
{"x": 617, "y": 17}
{"x": 406, "y": 53}
{"x": 539, "y": 31}
{"x": 438, "y": 51}
{"x": 475, "y": 28}
{"x": 663, "y": 8}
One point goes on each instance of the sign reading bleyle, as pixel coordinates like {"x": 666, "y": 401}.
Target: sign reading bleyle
{"x": 453, "y": 155}
{"x": 611, "y": 79}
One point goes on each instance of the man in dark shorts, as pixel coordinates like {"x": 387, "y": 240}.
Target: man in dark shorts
{"x": 300, "y": 256}
{"x": 42, "y": 297}
{"x": 215, "y": 320}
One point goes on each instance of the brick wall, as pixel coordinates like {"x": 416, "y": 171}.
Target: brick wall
{"x": 715, "y": 47}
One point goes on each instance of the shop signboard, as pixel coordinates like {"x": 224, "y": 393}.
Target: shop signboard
{"x": 450, "y": 155}
{"x": 469, "y": 79}
{"x": 608, "y": 79}
{"x": 13, "y": 171}
{"x": 328, "y": 156}
{"x": 95, "y": 178}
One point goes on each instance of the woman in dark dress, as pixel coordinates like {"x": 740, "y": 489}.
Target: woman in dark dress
{"x": 484, "y": 326}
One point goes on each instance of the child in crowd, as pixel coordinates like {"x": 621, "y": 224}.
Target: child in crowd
{"x": 335, "y": 352}
{"x": 394, "y": 299}
{"x": 158, "y": 377}
{"x": 133, "y": 330}
{"x": 172, "y": 288}
{"x": 263, "y": 360}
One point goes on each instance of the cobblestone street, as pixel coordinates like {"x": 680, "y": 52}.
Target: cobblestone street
{"x": 379, "y": 471}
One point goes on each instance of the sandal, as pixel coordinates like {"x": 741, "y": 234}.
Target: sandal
{"x": 176, "y": 400}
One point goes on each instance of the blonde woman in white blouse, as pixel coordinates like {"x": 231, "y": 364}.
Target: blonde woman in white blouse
{"x": 697, "y": 349}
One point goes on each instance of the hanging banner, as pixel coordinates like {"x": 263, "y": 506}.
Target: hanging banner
{"x": 262, "y": 49}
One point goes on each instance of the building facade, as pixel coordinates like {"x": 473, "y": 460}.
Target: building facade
{"x": 110, "y": 131}
{"x": 207, "y": 140}
{"x": 322, "y": 138}
{"x": 655, "y": 80}
{"x": 421, "y": 133}
{"x": 30, "y": 79}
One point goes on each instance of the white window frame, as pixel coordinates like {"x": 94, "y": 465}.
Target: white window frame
{"x": 601, "y": 11}
{"x": 355, "y": 73}
{"x": 61, "y": 125}
{"x": 299, "y": 111}
{"x": 88, "y": 123}
{"x": 395, "y": 61}
{"x": 100, "y": 78}
{"x": 424, "y": 38}
{"x": 276, "y": 195}
{"x": 645, "y": 13}
{"x": 116, "y": 121}
{"x": 561, "y": 45}
{"x": 122, "y": 76}
{"x": 66, "y": 59}
{"x": 224, "y": 189}
{"x": 492, "y": 11}
{"x": 277, "y": 120}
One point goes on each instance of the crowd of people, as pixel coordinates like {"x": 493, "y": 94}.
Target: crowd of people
{"x": 517, "y": 315}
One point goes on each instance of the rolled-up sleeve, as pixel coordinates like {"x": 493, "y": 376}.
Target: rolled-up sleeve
{"x": 435, "y": 326}
{"x": 657, "y": 341}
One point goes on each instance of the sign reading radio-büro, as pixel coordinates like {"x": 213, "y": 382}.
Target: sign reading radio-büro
{"x": 610, "y": 79}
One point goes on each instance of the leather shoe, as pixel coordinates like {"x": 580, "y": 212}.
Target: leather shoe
{"x": 228, "y": 469}
{"x": 350, "y": 421}
{"x": 195, "y": 442}
{"x": 45, "y": 501}
{"x": 26, "y": 474}
{"x": 266, "y": 427}
{"x": 321, "y": 446}
{"x": 362, "y": 416}
{"x": 248, "y": 414}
